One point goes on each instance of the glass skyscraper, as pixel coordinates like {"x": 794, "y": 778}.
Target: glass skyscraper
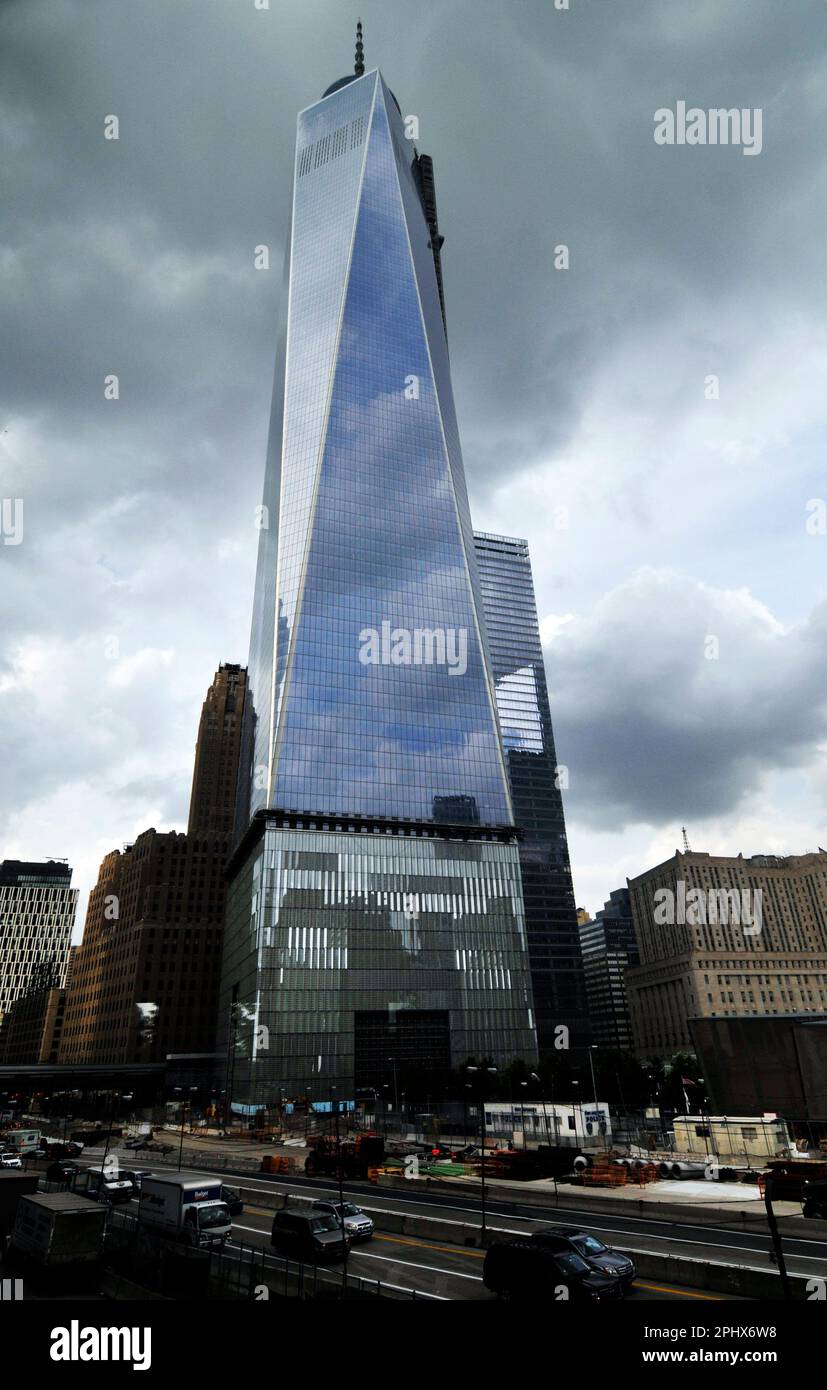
{"x": 510, "y": 613}
{"x": 375, "y": 909}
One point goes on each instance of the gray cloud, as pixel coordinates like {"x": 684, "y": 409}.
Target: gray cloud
{"x": 676, "y": 700}
{"x": 136, "y": 257}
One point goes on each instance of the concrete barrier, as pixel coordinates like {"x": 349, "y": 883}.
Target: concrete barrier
{"x": 710, "y": 1276}
{"x": 572, "y": 1198}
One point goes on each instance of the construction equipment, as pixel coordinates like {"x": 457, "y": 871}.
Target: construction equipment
{"x": 349, "y": 1157}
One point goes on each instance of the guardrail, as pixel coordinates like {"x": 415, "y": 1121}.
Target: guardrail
{"x": 234, "y": 1269}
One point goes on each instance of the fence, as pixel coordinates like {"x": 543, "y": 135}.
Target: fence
{"x": 235, "y": 1270}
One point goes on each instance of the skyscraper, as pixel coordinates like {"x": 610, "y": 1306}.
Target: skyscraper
{"x": 37, "y": 915}
{"x": 217, "y": 752}
{"x": 144, "y": 981}
{"x": 375, "y": 910}
{"x": 609, "y": 949}
{"x": 525, "y": 719}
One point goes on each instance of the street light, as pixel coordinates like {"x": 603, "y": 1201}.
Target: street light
{"x": 592, "y": 1049}
{"x": 339, "y": 1169}
{"x": 184, "y": 1104}
{"x": 392, "y": 1061}
{"x": 492, "y": 1071}
{"x": 523, "y": 1084}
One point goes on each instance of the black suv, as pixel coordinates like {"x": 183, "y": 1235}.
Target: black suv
{"x": 598, "y": 1256}
{"x": 523, "y": 1270}
{"x": 815, "y": 1199}
{"x": 308, "y": 1235}
{"x": 62, "y": 1171}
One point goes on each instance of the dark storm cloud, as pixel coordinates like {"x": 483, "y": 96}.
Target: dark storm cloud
{"x": 677, "y": 700}
{"x": 135, "y": 257}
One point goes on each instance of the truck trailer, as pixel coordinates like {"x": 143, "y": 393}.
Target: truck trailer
{"x": 184, "y": 1208}
{"x": 13, "y": 1186}
{"x": 23, "y": 1141}
{"x": 57, "y": 1230}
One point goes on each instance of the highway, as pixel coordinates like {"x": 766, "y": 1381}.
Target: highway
{"x": 432, "y": 1269}
{"x": 439, "y": 1270}
{"x": 805, "y": 1255}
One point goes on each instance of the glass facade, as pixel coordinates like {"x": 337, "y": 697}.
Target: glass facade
{"x": 375, "y": 888}
{"x": 369, "y": 678}
{"x": 330, "y": 931}
{"x": 525, "y": 718}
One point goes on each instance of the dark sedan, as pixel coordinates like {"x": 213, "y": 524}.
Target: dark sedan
{"x": 598, "y": 1256}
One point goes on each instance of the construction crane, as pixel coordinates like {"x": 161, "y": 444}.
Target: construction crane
{"x": 686, "y": 846}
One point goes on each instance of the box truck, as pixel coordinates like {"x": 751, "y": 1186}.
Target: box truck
{"x": 13, "y": 1186}
{"x": 185, "y": 1208}
{"x": 23, "y": 1141}
{"x": 58, "y": 1230}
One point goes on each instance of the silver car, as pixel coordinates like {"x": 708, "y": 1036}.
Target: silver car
{"x": 358, "y": 1225}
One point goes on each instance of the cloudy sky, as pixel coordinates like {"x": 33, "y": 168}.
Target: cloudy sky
{"x": 659, "y": 517}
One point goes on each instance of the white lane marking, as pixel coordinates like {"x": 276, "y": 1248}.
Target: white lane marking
{"x": 409, "y": 1264}
{"x": 404, "y": 1264}
{"x": 386, "y": 1259}
{"x": 558, "y": 1216}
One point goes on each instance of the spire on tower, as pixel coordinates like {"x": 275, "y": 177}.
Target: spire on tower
{"x": 360, "y": 51}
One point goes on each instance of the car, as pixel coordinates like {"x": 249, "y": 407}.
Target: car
{"x": 308, "y": 1235}
{"x": 358, "y": 1225}
{"x": 10, "y": 1160}
{"x": 525, "y": 1271}
{"x": 598, "y": 1256}
{"x": 140, "y": 1143}
{"x": 814, "y": 1202}
{"x": 232, "y": 1197}
{"x": 62, "y": 1171}
{"x": 135, "y": 1176}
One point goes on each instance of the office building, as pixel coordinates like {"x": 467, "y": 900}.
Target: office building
{"x": 375, "y": 914}
{"x": 726, "y": 938}
{"x": 609, "y": 948}
{"x": 536, "y": 787}
{"x": 145, "y": 978}
{"x": 37, "y": 916}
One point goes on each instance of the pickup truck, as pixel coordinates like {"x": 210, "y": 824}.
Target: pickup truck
{"x": 102, "y": 1186}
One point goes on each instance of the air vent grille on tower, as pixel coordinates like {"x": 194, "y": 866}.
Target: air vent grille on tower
{"x": 331, "y": 146}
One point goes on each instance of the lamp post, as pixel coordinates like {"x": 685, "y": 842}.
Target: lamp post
{"x": 523, "y": 1084}
{"x": 392, "y": 1061}
{"x": 552, "y": 1158}
{"x": 592, "y": 1049}
{"x": 481, "y": 1071}
{"x": 184, "y": 1104}
{"x": 340, "y": 1174}
{"x": 576, "y": 1097}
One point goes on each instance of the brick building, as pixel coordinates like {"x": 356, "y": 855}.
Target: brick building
{"x": 145, "y": 978}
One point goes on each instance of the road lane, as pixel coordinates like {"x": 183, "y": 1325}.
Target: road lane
{"x": 436, "y": 1268}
